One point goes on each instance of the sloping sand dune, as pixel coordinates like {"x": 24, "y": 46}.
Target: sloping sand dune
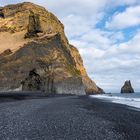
{"x": 12, "y": 41}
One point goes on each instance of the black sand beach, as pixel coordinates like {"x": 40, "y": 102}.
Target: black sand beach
{"x": 35, "y": 117}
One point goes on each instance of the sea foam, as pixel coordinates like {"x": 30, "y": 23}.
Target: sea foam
{"x": 132, "y": 100}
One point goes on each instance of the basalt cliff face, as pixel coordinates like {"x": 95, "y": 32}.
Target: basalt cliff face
{"x": 35, "y": 51}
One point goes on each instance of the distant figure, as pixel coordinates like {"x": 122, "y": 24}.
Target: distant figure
{"x": 127, "y": 87}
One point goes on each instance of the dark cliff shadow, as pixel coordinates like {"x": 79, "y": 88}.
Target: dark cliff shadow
{"x": 22, "y": 95}
{"x": 17, "y": 96}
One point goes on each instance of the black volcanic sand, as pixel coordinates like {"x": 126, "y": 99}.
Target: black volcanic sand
{"x": 28, "y": 116}
{"x": 15, "y": 96}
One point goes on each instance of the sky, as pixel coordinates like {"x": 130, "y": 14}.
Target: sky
{"x": 107, "y": 35}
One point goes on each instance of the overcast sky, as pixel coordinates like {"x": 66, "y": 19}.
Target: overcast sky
{"x": 107, "y": 34}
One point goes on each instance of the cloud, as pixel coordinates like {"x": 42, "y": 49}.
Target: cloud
{"x": 129, "y": 48}
{"x": 128, "y": 18}
{"x": 126, "y": 2}
{"x": 113, "y": 65}
{"x": 73, "y": 28}
{"x": 102, "y": 39}
{"x": 97, "y": 37}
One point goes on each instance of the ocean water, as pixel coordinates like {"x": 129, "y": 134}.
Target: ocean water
{"x": 132, "y": 100}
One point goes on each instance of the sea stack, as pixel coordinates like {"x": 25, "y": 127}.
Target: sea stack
{"x": 127, "y": 87}
{"x": 32, "y": 38}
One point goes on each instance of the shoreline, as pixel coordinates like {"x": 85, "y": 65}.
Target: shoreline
{"x": 131, "y": 100}
{"x": 66, "y": 118}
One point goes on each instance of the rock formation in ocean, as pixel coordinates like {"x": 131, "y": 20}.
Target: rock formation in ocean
{"x": 32, "y": 38}
{"x": 127, "y": 87}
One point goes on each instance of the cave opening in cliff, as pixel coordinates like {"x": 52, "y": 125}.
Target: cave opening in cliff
{"x": 1, "y": 15}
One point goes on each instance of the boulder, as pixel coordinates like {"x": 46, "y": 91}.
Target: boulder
{"x": 7, "y": 52}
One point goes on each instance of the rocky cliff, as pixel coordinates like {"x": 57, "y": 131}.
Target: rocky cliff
{"x": 127, "y": 87}
{"x": 32, "y": 38}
